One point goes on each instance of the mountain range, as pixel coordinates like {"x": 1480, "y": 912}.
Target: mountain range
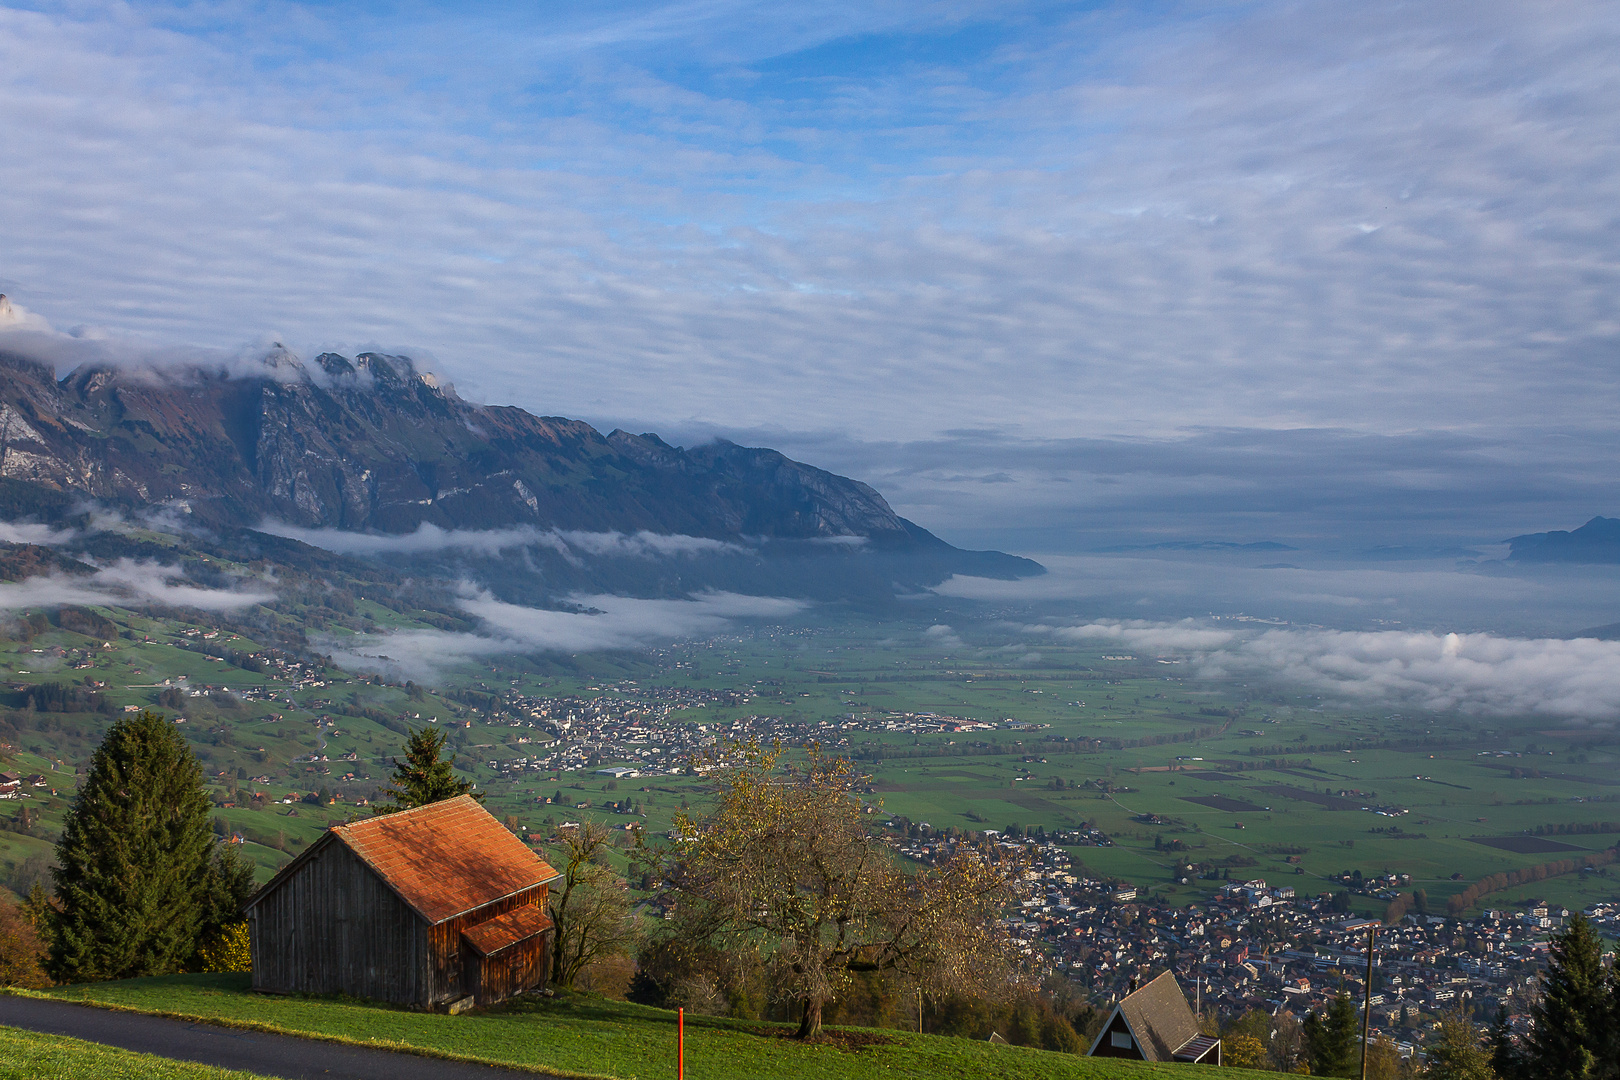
{"x": 1598, "y": 541}
{"x": 372, "y": 446}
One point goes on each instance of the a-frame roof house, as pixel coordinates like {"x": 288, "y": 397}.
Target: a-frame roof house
{"x": 1156, "y": 1024}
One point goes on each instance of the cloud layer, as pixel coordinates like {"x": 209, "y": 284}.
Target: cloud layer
{"x": 1435, "y": 594}
{"x": 607, "y": 623}
{"x": 1480, "y": 674}
{"x": 127, "y": 583}
{"x": 571, "y": 544}
{"x": 1476, "y": 674}
{"x": 891, "y": 222}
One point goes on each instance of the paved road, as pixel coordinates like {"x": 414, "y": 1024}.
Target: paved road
{"x": 229, "y": 1048}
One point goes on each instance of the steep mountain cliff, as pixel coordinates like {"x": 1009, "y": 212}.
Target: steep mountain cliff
{"x": 372, "y": 445}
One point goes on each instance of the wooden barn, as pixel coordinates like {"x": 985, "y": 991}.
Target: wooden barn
{"x": 1156, "y": 1024}
{"x": 438, "y": 907}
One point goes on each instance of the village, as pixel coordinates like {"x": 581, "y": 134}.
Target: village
{"x": 1258, "y": 946}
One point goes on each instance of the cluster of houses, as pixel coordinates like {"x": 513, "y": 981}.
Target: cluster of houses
{"x": 16, "y": 785}
{"x": 1256, "y": 945}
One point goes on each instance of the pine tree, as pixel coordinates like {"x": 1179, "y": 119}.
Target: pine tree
{"x": 1457, "y": 1053}
{"x": 1331, "y": 1043}
{"x": 134, "y": 860}
{"x": 229, "y": 885}
{"x": 1506, "y": 1061}
{"x": 422, "y": 777}
{"x": 1574, "y": 1020}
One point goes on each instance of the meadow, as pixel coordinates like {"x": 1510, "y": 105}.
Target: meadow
{"x": 584, "y": 1035}
{"x": 30, "y": 1055}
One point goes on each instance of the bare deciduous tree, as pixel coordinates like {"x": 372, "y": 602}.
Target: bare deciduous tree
{"x": 590, "y": 909}
{"x": 786, "y": 865}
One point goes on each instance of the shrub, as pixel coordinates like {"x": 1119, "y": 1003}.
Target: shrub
{"x": 229, "y": 951}
{"x": 22, "y": 954}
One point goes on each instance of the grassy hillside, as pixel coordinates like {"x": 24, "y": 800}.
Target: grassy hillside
{"x": 585, "y": 1035}
{"x": 29, "y": 1055}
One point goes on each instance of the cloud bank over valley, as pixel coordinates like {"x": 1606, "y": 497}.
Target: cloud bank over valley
{"x": 571, "y": 544}
{"x": 1475, "y": 674}
{"x": 603, "y": 623}
{"x": 129, "y": 583}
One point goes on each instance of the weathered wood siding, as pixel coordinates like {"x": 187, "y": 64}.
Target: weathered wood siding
{"x": 333, "y": 927}
{"x": 511, "y": 971}
{"x": 453, "y": 961}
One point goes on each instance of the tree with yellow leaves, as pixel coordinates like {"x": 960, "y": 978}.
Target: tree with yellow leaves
{"x": 786, "y": 866}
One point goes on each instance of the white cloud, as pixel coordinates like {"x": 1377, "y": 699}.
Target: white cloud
{"x": 1118, "y": 222}
{"x": 22, "y": 532}
{"x": 127, "y": 583}
{"x": 1472, "y": 673}
{"x": 944, "y": 637}
{"x": 1478, "y": 674}
{"x": 429, "y": 538}
{"x": 646, "y": 545}
{"x": 610, "y": 622}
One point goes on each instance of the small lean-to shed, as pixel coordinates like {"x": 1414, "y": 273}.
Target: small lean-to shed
{"x": 437, "y": 907}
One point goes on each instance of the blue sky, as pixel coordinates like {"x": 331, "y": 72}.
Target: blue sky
{"x": 1049, "y": 275}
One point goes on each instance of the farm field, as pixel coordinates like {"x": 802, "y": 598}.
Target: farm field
{"x": 1232, "y": 778}
{"x": 584, "y": 1035}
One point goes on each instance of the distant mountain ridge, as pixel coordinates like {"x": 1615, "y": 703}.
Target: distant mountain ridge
{"x": 374, "y": 445}
{"x": 1598, "y": 541}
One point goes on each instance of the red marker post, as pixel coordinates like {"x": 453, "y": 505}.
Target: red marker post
{"x": 680, "y": 1044}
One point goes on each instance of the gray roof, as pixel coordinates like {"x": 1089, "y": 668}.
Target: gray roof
{"x": 1160, "y": 1018}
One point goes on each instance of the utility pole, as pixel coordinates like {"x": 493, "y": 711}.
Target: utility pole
{"x": 1371, "y": 926}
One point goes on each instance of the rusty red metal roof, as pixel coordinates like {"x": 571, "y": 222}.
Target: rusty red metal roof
{"x": 445, "y": 858}
{"x": 504, "y": 931}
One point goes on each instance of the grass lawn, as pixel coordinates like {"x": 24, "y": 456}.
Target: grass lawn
{"x": 29, "y": 1055}
{"x": 585, "y": 1035}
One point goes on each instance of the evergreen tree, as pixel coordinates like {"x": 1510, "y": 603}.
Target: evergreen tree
{"x": 422, "y": 777}
{"x": 229, "y": 885}
{"x": 1457, "y": 1054}
{"x": 1574, "y": 1034}
{"x": 1506, "y": 1061}
{"x": 1330, "y": 1043}
{"x": 133, "y": 872}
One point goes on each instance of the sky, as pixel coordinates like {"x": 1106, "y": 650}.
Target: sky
{"x": 1051, "y": 276}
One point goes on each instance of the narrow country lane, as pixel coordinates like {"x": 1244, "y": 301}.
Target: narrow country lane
{"x": 284, "y": 1056}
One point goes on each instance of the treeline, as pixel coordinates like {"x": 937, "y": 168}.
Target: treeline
{"x": 57, "y": 697}
{"x": 1577, "y": 828}
{"x": 480, "y": 701}
{"x": 979, "y": 749}
{"x": 1161, "y": 740}
{"x": 1512, "y": 878}
{"x": 1279, "y": 749}
{"x": 77, "y": 619}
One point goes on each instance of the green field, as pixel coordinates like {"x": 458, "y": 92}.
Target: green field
{"x": 29, "y": 1055}
{"x": 588, "y": 1036}
{"x": 1119, "y": 750}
